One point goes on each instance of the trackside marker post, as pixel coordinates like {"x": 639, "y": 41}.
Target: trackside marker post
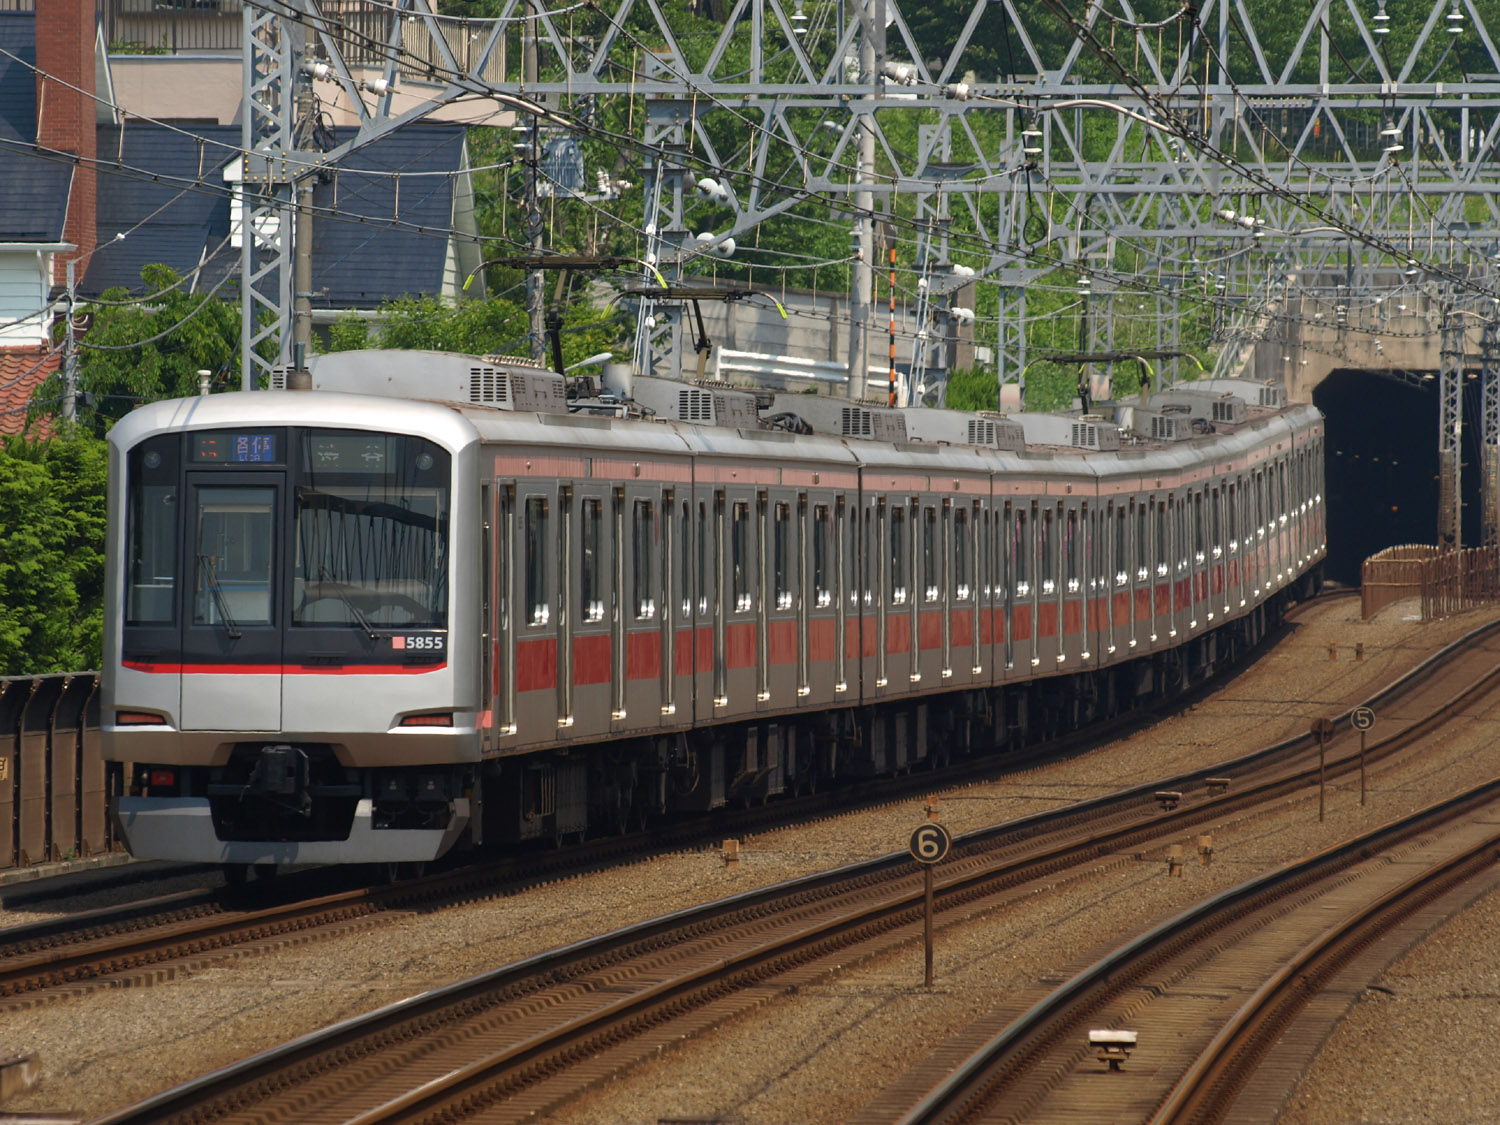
{"x": 929, "y": 845}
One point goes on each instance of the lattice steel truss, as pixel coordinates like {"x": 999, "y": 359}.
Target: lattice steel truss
{"x": 1168, "y": 154}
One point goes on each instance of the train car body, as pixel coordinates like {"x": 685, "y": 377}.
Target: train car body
{"x": 443, "y": 599}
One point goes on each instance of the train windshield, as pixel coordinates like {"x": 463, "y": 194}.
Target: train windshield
{"x": 370, "y": 528}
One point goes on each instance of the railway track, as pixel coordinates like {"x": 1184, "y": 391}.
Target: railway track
{"x": 527, "y": 1038}
{"x": 1181, "y": 988}
{"x": 165, "y": 936}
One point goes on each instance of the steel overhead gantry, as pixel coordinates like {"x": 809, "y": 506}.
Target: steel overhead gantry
{"x": 1175, "y": 156}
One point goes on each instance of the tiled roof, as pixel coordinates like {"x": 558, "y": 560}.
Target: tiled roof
{"x": 355, "y": 264}
{"x": 180, "y": 227}
{"x": 22, "y": 370}
{"x": 33, "y": 189}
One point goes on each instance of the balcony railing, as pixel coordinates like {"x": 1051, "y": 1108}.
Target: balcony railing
{"x": 215, "y": 27}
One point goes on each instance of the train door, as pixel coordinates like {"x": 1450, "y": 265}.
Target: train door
{"x": 677, "y": 608}
{"x": 1047, "y": 596}
{"x": 845, "y": 592}
{"x": 585, "y": 601}
{"x": 537, "y": 641}
{"x": 929, "y": 623}
{"x": 883, "y": 573}
{"x": 1217, "y": 565}
{"x": 1178, "y": 508}
{"x": 1198, "y": 559}
{"x": 1072, "y": 635}
{"x": 231, "y": 622}
{"x": 567, "y": 599}
{"x": 1121, "y": 597}
{"x": 503, "y": 676}
{"x": 708, "y": 647}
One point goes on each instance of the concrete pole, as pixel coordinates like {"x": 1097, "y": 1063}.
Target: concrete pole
{"x": 861, "y": 298}
{"x": 70, "y": 353}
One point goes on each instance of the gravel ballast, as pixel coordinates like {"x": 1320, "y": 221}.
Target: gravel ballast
{"x": 828, "y": 1052}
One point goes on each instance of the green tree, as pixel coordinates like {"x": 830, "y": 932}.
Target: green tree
{"x": 495, "y": 326}
{"x": 52, "y": 501}
{"x": 138, "y": 350}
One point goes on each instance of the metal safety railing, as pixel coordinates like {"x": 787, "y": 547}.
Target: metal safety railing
{"x": 1445, "y": 582}
{"x": 54, "y": 798}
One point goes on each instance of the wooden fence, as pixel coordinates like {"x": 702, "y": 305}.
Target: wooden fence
{"x": 54, "y": 801}
{"x": 1446, "y": 582}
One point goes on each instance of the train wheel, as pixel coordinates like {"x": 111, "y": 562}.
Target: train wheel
{"x": 236, "y": 874}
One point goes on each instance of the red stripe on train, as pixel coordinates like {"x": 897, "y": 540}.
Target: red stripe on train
{"x": 155, "y": 669}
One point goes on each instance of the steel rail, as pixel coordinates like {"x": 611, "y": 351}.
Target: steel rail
{"x": 972, "y": 1082}
{"x": 1229, "y": 1059}
{"x": 894, "y": 908}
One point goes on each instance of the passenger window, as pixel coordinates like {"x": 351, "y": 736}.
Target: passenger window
{"x": 822, "y": 594}
{"x": 1021, "y": 554}
{"x": 782, "y": 556}
{"x": 1070, "y": 552}
{"x": 962, "y": 556}
{"x": 740, "y": 551}
{"x": 1046, "y": 571}
{"x": 538, "y": 608}
{"x": 931, "y": 579}
{"x": 898, "y": 556}
{"x": 643, "y": 533}
{"x": 1122, "y": 531}
{"x": 591, "y": 580}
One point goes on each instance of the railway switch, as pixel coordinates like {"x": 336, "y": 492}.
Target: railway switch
{"x": 1112, "y": 1046}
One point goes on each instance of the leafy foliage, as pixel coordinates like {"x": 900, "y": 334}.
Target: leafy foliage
{"x": 488, "y": 327}
{"x": 51, "y": 553}
{"x": 136, "y": 352}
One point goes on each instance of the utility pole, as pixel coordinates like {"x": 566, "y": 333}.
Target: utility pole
{"x": 70, "y": 353}
{"x": 861, "y": 298}
{"x": 536, "y": 314}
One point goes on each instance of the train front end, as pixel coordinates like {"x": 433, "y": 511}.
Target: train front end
{"x": 288, "y": 677}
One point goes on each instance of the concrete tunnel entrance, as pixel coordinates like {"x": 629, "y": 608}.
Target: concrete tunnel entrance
{"x": 1382, "y": 466}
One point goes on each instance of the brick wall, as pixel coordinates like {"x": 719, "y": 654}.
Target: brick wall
{"x": 66, "y": 111}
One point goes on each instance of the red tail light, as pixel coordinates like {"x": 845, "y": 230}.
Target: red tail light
{"x": 164, "y": 778}
{"x": 445, "y": 719}
{"x": 138, "y": 719}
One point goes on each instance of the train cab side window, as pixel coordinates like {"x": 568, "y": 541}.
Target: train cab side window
{"x": 643, "y": 535}
{"x": 898, "y": 555}
{"x": 151, "y": 528}
{"x": 538, "y": 608}
{"x": 740, "y": 550}
{"x": 591, "y": 585}
{"x": 822, "y": 593}
{"x": 931, "y": 579}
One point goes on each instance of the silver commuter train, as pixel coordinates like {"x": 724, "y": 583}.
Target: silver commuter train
{"x": 444, "y": 599}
